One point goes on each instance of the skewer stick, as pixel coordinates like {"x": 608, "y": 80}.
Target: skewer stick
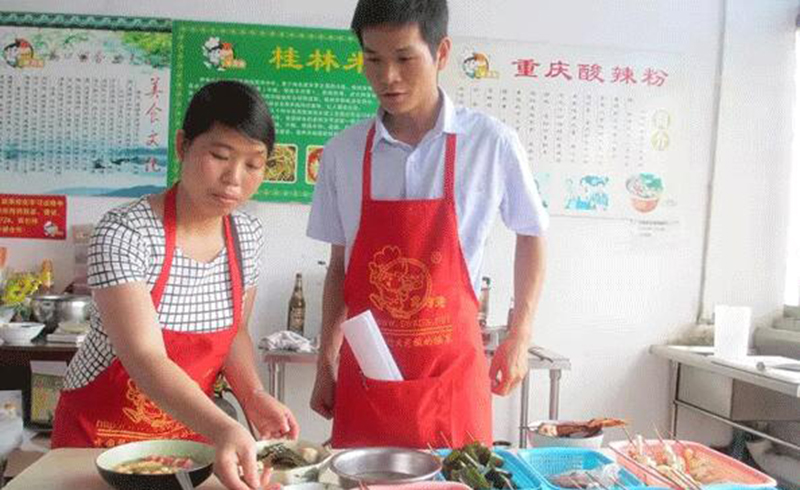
{"x": 576, "y": 483}
{"x": 433, "y": 451}
{"x": 660, "y": 439}
{"x": 667, "y": 473}
{"x": 685, "y": 480}
{"x": 679, "y": 471}
{"x": 446, "y": 440}
{"x": 628, "y": 435}
{"x": 618, "y": 482}
{"x": 596, "y": 480}
{"x": 676, "y": 441}
{"x": 658, "y": 434}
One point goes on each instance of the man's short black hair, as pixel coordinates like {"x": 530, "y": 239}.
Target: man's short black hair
{"x": 233, "y": 104}
{"x": 430, "y": 15}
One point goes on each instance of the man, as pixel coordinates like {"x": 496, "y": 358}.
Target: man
{"x": 406, "y": 200}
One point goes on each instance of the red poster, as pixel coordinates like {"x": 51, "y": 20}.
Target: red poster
{"x": 32, "y": 216}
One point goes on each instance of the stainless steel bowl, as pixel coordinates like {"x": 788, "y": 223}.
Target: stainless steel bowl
{"x": 73, "y": 308}
{"x": 384, "y": 466}
{"x": 51, "y": 309}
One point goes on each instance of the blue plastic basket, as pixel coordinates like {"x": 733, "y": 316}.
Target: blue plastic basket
{"x": 522, "y": 476}
{"x": 548, "y": 462}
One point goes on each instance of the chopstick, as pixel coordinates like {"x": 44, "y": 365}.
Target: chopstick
{"x": 184, "y": 480}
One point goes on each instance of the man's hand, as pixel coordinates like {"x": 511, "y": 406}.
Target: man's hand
{"x": 510, "y": 362}
{"x": 324, "y": 391}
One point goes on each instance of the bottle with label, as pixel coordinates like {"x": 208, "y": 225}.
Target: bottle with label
{"x": 46, "y": 278}
{"x": 483, "y": 309}
{"x": 297, "y": 307}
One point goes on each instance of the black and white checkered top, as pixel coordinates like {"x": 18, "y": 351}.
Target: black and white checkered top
{"x": 128, "y": 245}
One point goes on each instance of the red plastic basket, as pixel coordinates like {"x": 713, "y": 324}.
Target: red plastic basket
{"x": 723, "y": 469}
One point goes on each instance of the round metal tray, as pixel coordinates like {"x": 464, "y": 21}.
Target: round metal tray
{"x": 374, "y": 466}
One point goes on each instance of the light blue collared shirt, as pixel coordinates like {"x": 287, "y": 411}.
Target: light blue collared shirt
{"x": 493, "y": 177}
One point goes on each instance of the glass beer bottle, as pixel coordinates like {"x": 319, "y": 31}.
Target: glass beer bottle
{"x": 297, "y": 307}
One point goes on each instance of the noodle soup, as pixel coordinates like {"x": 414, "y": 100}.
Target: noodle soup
{"x": 156, "y": 465}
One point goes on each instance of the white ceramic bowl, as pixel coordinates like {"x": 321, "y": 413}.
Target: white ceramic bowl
{"x": 301, "y": 474}
{"x": 20, "y": 333}
{"x": 540, "y": 440}
{"x": 7, "y": 313}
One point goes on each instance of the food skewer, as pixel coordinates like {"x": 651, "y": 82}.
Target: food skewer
{"x": 684, "y": 475}
{"x": 618, "y": 482}
{"x": 596, "y": 480}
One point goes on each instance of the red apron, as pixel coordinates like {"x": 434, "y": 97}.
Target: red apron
{"x": 111, "y": 409}
{"x": 407, "y": 267}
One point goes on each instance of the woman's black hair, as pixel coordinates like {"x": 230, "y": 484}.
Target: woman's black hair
{"x": 430, "y": 15}
{"x": 233, "y": 104}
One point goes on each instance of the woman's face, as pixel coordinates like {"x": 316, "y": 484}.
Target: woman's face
{"x": 221, "y": 169}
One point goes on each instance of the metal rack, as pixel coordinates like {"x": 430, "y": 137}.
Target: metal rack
{"x": 538, "y": 358}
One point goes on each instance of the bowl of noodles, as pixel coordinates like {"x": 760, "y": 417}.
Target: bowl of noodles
{"x": 282, "y": 164}
{"x": 154, "y": 464}
{"x": 645, "y": 191}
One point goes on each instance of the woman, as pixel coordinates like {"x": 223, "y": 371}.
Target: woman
{"x": 174, "y": 279}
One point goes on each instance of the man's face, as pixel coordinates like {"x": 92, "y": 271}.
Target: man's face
{"x": 400, "y": 68}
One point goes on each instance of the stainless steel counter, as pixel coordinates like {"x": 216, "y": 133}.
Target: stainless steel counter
{"x": 732, "y": 395}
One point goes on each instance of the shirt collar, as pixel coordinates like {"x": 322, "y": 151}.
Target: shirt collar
{"x": 447, "y": 122}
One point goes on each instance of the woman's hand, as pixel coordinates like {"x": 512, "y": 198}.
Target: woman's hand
{"x": 271, "y": 418}
{"x": 235, "y": 462}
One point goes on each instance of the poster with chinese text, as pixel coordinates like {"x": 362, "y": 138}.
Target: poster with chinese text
{"x": 604, "y": 129}
{"x": 33, "y": 216}
{"x": 311, "y": 78}
{"x": 84, "y": 103}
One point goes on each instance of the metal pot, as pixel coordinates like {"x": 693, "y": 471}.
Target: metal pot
{"x": 43, "y": 307}
{"x": 53, "y": 308}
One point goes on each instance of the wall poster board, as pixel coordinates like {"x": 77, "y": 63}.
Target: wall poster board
{"x": 84, "y": 102}
{"x": 603, "y": 129}
{"x": 311, "y": 78}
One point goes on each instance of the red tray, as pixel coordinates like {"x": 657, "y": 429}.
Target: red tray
{"x": 721, "y": 469}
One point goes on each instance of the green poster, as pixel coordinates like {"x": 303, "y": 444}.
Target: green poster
{"x": 311, "y": 78}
